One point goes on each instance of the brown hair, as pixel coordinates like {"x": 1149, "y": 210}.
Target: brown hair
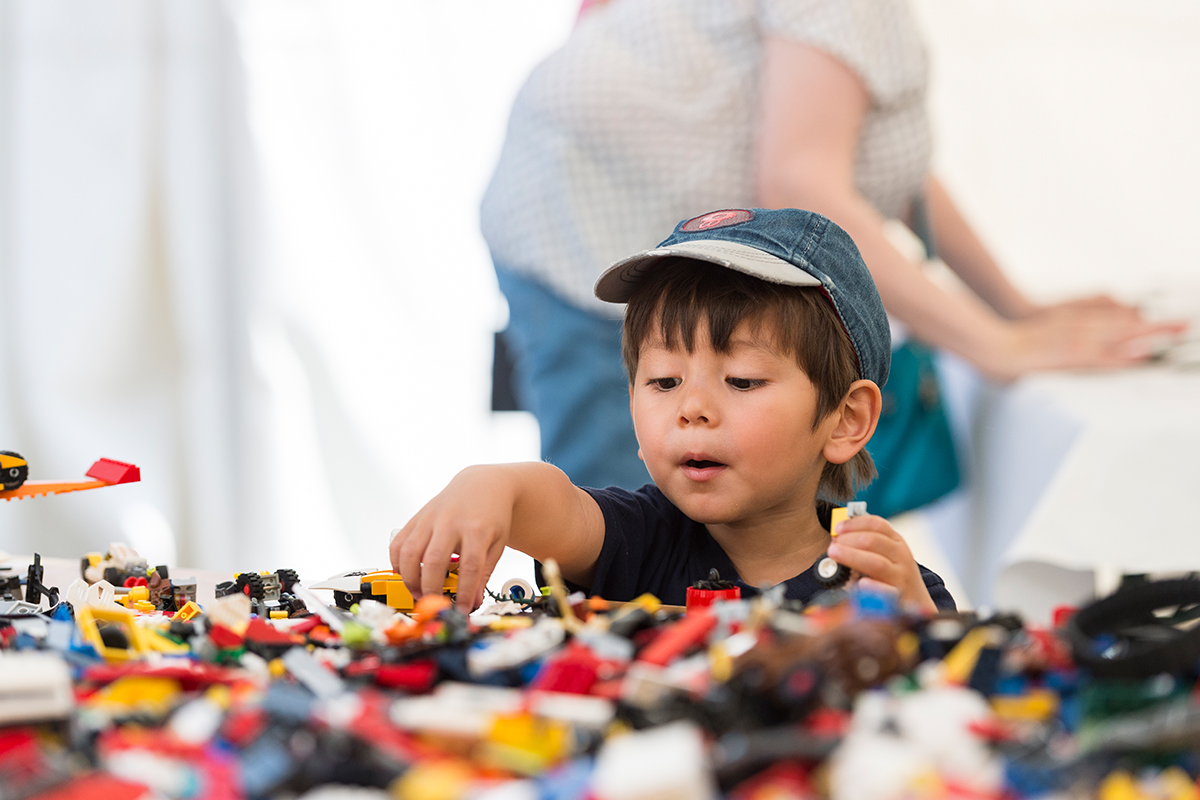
{"x": 680, "y": 294}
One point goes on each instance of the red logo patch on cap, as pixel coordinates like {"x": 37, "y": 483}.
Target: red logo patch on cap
{"x": 717, "y": 219}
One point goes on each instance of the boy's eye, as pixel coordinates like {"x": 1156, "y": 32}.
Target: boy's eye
{"x": 663, "y": 383}
{"x": 744, "y": 383}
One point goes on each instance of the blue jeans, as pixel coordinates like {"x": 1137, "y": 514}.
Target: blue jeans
{"x": 568, "y": 371}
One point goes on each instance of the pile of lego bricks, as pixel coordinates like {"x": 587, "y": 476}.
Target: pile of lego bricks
{"x": 557, "y": 697}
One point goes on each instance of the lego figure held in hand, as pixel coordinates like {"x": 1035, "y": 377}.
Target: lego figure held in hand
{"x": 755, "y": 343}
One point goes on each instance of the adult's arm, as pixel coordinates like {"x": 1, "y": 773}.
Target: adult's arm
{"x": 812, "y": 108}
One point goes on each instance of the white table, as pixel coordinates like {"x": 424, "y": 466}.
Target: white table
{"x": 1075, "y": 479}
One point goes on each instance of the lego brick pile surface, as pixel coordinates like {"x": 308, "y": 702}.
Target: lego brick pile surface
{"x": 559, "y": 697}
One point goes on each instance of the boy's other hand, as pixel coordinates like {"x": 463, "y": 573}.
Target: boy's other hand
{"x": 472, "y": 516}
{"x": 872, "y": 547}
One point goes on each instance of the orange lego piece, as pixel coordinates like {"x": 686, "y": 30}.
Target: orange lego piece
{"x": 106, "y": 472}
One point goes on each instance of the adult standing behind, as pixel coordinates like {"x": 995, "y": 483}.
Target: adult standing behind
{"x": 659, "y": 110}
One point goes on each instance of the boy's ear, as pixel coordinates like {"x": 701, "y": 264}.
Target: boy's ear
{"x": 640, "y": 457}
{"x": 854, "y": 422}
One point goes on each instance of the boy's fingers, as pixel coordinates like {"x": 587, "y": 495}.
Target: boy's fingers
{"x": 473, "y": 572}
{"x": 408, "y": 558}
{"x": 891, "y": 546}
{"x": 397, "y": 539}
{"x": 434, "y": 563}
{"x": 867, "y": 562}
{"x": 870, "y": 522}
{"x": 475, "y": 566}
{"x": 871, "y": 583}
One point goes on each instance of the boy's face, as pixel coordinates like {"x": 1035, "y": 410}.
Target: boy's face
{"x": 728, "y": 437}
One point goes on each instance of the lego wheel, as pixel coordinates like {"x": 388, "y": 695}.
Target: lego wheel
{"x": 517, "y": 589}
{"x": 252, "y": 584}
{"x": 287, "y": 579}
{"x": 14, "y": 476}
{"x": 830, "y": 573}
{"x": 343, "y": 599}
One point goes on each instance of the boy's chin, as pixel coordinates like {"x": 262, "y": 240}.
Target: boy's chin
{"x": 705, "y": 512}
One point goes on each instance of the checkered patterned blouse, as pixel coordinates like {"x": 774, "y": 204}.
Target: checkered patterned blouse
{"x": 646, "y": 117}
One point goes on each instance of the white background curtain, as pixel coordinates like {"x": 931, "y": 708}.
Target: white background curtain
{"x": 239, "y": 242}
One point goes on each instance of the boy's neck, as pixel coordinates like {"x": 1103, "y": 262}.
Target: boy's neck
{"x": 770, "y": 551}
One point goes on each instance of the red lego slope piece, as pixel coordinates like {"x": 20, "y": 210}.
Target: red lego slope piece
{"x": 111, "y": 471}
{"x": 678, "y": 637}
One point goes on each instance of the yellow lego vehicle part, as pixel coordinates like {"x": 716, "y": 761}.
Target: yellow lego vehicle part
{"x": 96, "y": 624}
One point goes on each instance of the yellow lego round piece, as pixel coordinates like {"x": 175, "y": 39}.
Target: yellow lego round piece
{"x": 433, "y": 780}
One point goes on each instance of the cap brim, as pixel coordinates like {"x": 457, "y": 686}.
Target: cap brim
{"x": 617, "y": 283}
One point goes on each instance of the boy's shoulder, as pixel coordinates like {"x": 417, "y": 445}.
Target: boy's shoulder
{"x": 645, "y": 504}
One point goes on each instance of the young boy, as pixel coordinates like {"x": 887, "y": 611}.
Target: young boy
{"x": 756, "y": 344}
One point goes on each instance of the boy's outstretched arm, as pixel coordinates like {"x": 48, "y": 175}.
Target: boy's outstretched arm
{"x": 531, "y": 507}
{"x": 870, "y": 545}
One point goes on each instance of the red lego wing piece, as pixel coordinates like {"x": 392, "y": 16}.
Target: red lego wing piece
{"x": 111, "y": 471}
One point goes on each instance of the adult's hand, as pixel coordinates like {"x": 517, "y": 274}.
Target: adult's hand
{"x": 1085, "y": 333}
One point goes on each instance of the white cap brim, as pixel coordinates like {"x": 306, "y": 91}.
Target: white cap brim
{"x": 617, "y": 283}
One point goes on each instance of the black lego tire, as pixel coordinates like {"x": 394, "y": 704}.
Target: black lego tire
{"x": 1134, "y": 606}
{"x": 287, "y": 579}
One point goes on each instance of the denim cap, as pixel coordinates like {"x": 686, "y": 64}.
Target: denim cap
{"x": 788, "y": 246}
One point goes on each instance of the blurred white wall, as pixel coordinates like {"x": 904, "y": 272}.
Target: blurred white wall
{"x": 239, "y": 241}
{"x": 1068, "y": 130}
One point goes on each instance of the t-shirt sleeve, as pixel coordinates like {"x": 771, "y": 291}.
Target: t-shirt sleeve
{"x": 877, "y": 39}
{"x": 937, "y": 590}
{"x": 639, "y": 548}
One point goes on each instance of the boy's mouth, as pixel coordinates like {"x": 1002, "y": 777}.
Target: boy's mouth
{"x": 696, "y": 464}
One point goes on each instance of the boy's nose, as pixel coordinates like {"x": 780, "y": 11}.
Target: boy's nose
{"x": 695, "y": 407}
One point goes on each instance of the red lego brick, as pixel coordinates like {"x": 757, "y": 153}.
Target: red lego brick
{"x": 415, "y": 676}
{"x": 574, "y": 671}
{"x": 702, "y": 598}
{"x": 262, "y": 632}
{"x": 678, "y": 638}
{"x": 225, "y": 638}
{"x": 111, "y": 471}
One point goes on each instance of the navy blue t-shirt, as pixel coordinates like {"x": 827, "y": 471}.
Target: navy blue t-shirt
{"x": 650, "y": 546}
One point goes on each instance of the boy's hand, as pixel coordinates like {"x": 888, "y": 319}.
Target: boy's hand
{"x": 872, "y": 547}
{"x": 472, "y": 517}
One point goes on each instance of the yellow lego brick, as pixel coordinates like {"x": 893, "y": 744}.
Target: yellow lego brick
{"x": 525, "y": 743}
{"x": 838, "y": 515}
{"x": 155, "y": 640}
{"x": 188, "y": 611}
{"x": 960, "y": 662}
{"x": 398, "y": 595}
{"x": 1036, "y": 704}
{"x": 1120, "y": 785}
{"x": 137, "y": 694}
